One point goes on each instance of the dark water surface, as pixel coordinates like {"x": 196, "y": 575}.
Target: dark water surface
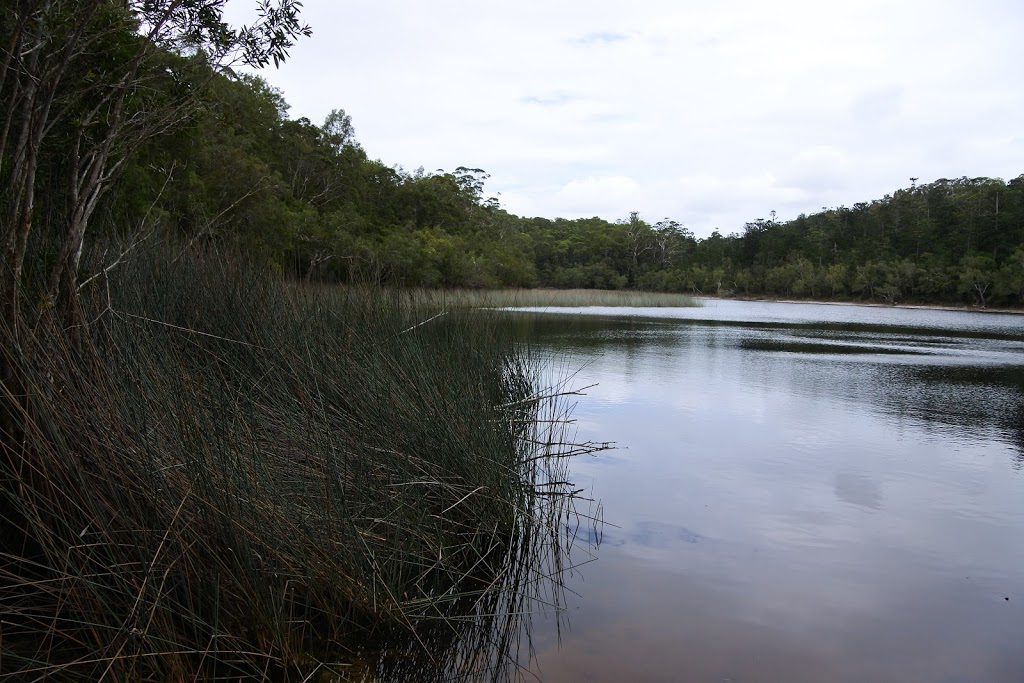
{"x": 802, "y": 493}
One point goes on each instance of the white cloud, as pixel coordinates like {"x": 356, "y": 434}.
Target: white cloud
{"x": 817, "y": 169}
{"x": 716, "y": 113}
{"x": 598, "y": 194}
{"x": 878, "y": 104}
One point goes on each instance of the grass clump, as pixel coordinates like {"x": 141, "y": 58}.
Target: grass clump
{"x": 229, "y": 479}
{"x": 560, "y": 298}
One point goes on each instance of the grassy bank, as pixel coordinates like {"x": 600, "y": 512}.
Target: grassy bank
{"x": 569, "y": 298}
{"x": 226, "y": 478}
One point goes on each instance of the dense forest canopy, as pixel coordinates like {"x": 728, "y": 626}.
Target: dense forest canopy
{"x": 232, "y": 167}
{"x": 85, "y": 86}
{"x": 308, "y": 198}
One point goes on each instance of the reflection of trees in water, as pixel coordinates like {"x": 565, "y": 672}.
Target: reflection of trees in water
{"x": 971, "y": 397}
{"x": 1017, "y": 430}
{"x": 837, "y": 361}
{"x": 963, "y": 397}
{"x": 482, "y": 632}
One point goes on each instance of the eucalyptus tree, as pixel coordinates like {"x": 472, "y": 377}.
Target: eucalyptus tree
{"x": 977, "y": 274}
{"x": 84, "y": 83}
{"x": 1011, "y": 276}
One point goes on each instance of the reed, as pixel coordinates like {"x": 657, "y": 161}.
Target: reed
{"x": 558, "y": 298}
{"x": 229, "y": 479}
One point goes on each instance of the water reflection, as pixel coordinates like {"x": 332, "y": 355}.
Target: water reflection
{"x": 987, "y": 370}
{"x": 838, "y": 500}
{"x": 859, "y": 489}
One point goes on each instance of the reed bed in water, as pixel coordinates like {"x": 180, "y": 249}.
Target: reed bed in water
{"x": 229, "y": 479}
{"x": 569, "y": 298}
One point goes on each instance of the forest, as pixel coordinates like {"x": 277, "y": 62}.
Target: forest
{"x": 219, "y": 161}
{"x": 308, "y": 199}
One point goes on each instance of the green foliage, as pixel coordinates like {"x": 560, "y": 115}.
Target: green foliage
{"x": 977, "y": 274}
{"x": 84, "y": 85}
{"x": 325, "y": 210}
{"x": 310, "y": 202}
{"x": 1011, "y": 276}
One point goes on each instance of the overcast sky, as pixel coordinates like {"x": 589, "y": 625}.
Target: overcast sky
{"x": 710, "y": 113}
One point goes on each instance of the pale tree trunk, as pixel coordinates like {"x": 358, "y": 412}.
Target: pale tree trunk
{"x": 49, "y": 39}
{"x": 36, "y": 64}
{"x": 89, "y": 179}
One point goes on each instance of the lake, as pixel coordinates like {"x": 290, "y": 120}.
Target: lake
{"x": 800, "y": 492}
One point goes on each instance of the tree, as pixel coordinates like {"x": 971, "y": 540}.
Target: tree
{"x": 834, "y": 277}
{"x": 88, "y": 82}
{"x": 639, "y": 236}
{"x": 976, "y": 276}
{"x": 1011, "y": 275}
{"x": 671, "y": 242}
{"x": 339, "y": 130}
{"x": 870, "y": 278}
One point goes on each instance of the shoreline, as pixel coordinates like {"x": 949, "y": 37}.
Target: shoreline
{"x": 872, "y": 304}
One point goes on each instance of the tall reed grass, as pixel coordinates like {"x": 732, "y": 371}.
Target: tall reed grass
{"x": 569, "y": 298}
{"x": 228, "y": 479}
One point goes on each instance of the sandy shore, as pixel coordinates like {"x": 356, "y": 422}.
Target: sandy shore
{"x": 873, "y": 304}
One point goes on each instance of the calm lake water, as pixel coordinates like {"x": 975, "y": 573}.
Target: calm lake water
{"x": 801, "y": 492}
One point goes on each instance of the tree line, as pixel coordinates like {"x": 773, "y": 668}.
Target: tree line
{"x": 181, "y": 145}
{"x": 309, "y": 199}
